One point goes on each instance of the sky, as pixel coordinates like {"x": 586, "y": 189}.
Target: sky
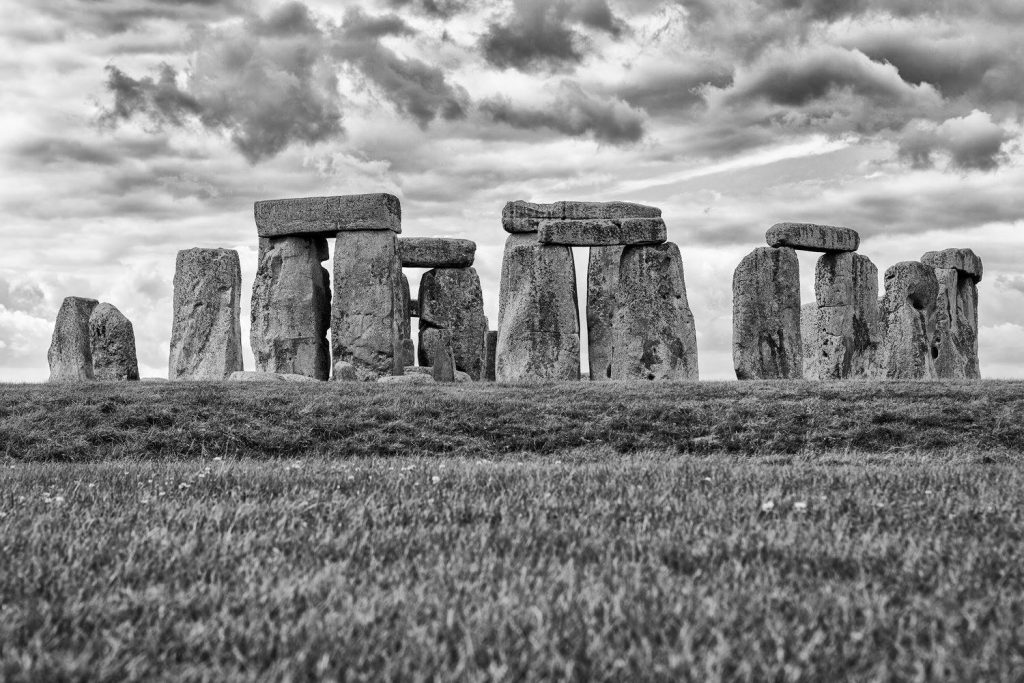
{"x": 130, "y": 129}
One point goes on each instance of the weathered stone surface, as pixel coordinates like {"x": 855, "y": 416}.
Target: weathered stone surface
{"x": 910, "y": 344}
{"x": 412, "y": 378}
{"x": 602, "y": 284}
{"x": 810, "y": 237}
{"x": 654, "y": 333}
{"x": 597, "y": 232}
{"x": 443, "y": 367}
{"x": 70, "y": 354}
{"x": 259, "y": 376}
{"x": 847, "y": 331}
{"x": 206, "y": 336}
{"x": 366, "y": 316}
{"x": 113, "y": 345}
{"x": 766, "y": 315}
{"x": 291, "y": 307}
{"x": 809, "y": 339}
{"x": 520, "y": 216}
{"x": 956, "y": 325}
{"x": 414, "y": 308}
{"x": 490, "y": 350}
{"x": 406, "y": 331}
{"x": 327, "y": 216}
{"x": 436, "y": 252}
{"x": 963, "y": 260}
{"x": 452, "y": 299}
{"x": 538, "y": 316}
{"x": 408, "y": 353}
{"x": 344, "y": 371}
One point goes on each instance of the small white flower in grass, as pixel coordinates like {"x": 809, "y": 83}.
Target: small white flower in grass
{"x": 182, "y": 486}
{"x": 800, "y": 506}
{"x": 767, "y": 506}
{"x": 435, "y": 479}
{"x": 928, "y": 492}
{"x": 351, "y": 478}
{"x": 707, "y": 479}
{"x": 218, "y": 459}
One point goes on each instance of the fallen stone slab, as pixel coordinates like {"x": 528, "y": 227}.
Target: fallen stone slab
{"x": 810, "y": 237}
{"x": 70, "y": 354}
{"x": 521, "y": 216}
{"x": 413, "y": 378}
{"x": 602, "y": 284}
{"x": 206, "y": 335}
{"x": 291, "y": 307}
{"x": 601, "y": 232}
{"x": 963, "y": 260}
{"x": 538, "y": 313}
{"x": 766, "y": 315}
{"x": 910, "y": 343}
{"x": 112, "y": 338}
{"x": 654, "y": 334}
{"x": 436, "y": 252}
{"x": 251, "y": 376}
{"x": 327, "y": 216}
{"x": 956, "y": 325}
{"x": 452, "y": 299}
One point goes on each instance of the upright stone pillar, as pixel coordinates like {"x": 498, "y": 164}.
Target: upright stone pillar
{"x": 366, "y": 318}
{"x": 408, "y": 347}
{"x": 490, "y": 349}
{"x": 291, "y": 307}
{"x": 113, "y": 345}
{"x": 602, "y": 284}
{"x": 206, "y": 336}
{"x": 910, "y": 344}
{"x": 538, "y": 315}
{"x": 70, "y": 354}
{"x": 452, "y": 299}
{"x": 766, "y": 315}
{"x": 847, "y": 327}
{"x": 809, "y": 338}
{"x": 654, "y": 333}
{"x": 958, "y": 272}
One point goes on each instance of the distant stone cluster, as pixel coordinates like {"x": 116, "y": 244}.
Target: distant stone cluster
{"x": 638, "y": 318}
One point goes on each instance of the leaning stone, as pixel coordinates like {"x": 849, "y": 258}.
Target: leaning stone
{"x": 269, "y": 377}
{"x": 654, "y": 336}
{"x": 436, "y": 252}
{"x": 576, "y": 210}
{"x": 327, "y": 216}
{"x": 957, "y": 325}
{"x": 598, "y": 232}
{"x": 113, "y": 345}
{"x": 452, "y": 299}
{"x": 443, "y": 357}
{"x": 366, "y": 317}
{"x": 538, "y": 315}
{"x": 602, "y": 283}
{"x": 490, "y": 347}
{"x": 520, "y": 216}
{"x": 291, "y": 307}
{"x": 963, "y": 260}
{"x": 847, "y": 327}
{"x": 70, "y": 354}
{"x": 414, "y": 378}
{"x": 809, "y": 339}
{"x": 206, "y": 337}
{"x": 810, "y": 237}
{"x": 909, "y": 347}
{"x": 766, "y": 315}
{"x": 344, "y": 372}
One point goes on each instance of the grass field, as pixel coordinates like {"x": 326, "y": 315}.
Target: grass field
{"x": 688, "y": 532}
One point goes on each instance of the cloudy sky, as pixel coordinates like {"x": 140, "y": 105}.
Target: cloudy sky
{"x": 130, "y": 129}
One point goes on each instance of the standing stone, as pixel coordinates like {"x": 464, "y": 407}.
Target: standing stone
{"x": 70, "y": 354}
{"x": 113, "y": 345}
{"x": 847, "y": 327}
{"x": 206, "y": 337}
{"x": 490, "y": 348}
{"x": 366, "y": 317}
{"x": 538, "y": 315}
{"x": 291, "y": 307}
{"x": 766, "y": 315}
{"x": 909, "y": 348}
{"x": 452, "y": 299}
{"x": 602, "y": 283}
{"x": 956, "y": 325}
{"x": 443, "y": 367}
{"x": 809, "y": 338}
{"x": 654, "y": 333}
{"x": 406, "y": 311}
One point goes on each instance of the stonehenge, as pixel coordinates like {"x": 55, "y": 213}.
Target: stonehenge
{"x": 847, "y": 330}
{"x": 766, "y": 315}
{"x": 602, "y": 285}
{"x": 910, "y": 344}
{"x": 206, "y": 335}
{"x": 958, "y": 272}
{"x": 92, "y": 340}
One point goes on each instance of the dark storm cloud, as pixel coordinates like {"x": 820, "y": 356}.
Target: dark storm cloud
{"x": 542, "y": 34}
{"x": 573, "y": 112}
{"x": 971, "y": 142}
{"x": 272, "y": 82}
{"x": 106, "y": 17}
{"x": 444, "y": 9}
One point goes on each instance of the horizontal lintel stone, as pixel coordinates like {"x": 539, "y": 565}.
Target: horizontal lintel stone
{"x": 602, "y": 232}
{"x": 327, "y": 216}
{"x": 436, "y": 252}
{"x": 811, "y": 237}
{"x": 521, "y": 216}
{"x": 963, "y": 260}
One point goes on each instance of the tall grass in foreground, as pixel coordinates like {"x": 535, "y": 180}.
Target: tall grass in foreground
{"x": 584, "y": 565}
